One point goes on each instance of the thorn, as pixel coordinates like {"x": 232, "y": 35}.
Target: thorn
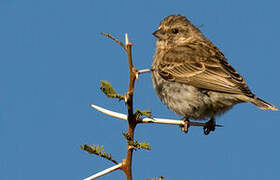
{"x": 125, "y": 97}
{"x": 126, "y": 39}
{"x": 137, "y": 76}
{"x": 131, "y": 147}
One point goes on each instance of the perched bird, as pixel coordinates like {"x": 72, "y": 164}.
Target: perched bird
{"x": 192, "y": 76}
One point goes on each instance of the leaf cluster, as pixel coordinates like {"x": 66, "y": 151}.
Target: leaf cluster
{"x": 139, "y": 114}
{"x": 99, "y": 151}
{"x": 135, "y": 144}
{"x": 109, "y": 91}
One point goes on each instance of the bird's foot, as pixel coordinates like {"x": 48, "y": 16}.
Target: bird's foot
{"x": 209, "y": 126}
{"x": 186, "y": 125}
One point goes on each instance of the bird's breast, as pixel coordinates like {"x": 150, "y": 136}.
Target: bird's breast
{"x": 189, "y": 101}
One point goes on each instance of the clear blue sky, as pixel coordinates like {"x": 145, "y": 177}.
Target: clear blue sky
{"x": 52, "y": 58}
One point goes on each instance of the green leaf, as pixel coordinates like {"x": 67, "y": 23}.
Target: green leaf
{"x": 99, "y": 151}
{"x": 145, "y": 145}
{"x": 135, "y": 144}
{"x": 139, "y": 113}
{"x": 126, "y": 136}
{"x": 109, "y": 91}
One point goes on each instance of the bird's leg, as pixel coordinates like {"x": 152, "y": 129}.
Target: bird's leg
{"x": 186, "y": 125}
{"x": 209, "y": 126}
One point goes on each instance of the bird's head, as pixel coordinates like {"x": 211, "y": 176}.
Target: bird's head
{"x": 176, "y": 30}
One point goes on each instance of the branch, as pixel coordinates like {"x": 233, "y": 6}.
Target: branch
{"x": 141, "y": 72}
{"x": 141, "y": 120}
{"x": 114, "y": 39}
{"x": 148, "y": 120}
{"x": 129, "y": 101}
{"x": 106, "y": 171}
{"x": 144, "y": 71}
{"x": 131, "y": 117}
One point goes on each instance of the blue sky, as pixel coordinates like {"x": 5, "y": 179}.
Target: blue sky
{"x": 52, "y": 58}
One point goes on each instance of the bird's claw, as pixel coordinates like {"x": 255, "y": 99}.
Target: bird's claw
{"x": 209, "y": 126}
{"x": 186, "y": 125}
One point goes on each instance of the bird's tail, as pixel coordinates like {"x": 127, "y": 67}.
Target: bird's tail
{"x": 262, "y": 104}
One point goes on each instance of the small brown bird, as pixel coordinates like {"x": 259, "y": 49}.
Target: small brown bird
{"x": 192, "y": 76}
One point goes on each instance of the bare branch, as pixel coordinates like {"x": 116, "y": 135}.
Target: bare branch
{"x": 141, "y": 72}
{"x": 104, "y": 172}
{"x": 144, "y": 120}
{"x": 129, "y": 101}
{"x": 131, "y": 117}
{"x": 114, "y": 39}
{"x": 149, "y": 120}
{"x": 144, "y": 71}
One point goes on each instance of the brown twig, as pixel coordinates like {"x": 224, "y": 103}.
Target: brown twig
{"x": 127, "y": 162}
{"x": 114, "y": 39}
{"x": 131, "y": 117}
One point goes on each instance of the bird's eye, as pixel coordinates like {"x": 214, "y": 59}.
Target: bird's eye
{"x": 175, "y": 31}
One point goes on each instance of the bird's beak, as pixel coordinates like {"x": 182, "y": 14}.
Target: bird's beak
{"x": 160, "y": 34}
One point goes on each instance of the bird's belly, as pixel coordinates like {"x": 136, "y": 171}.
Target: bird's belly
{"x": 190, "y": 101}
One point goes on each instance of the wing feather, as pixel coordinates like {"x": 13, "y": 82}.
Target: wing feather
{"x": 204, "y": 70}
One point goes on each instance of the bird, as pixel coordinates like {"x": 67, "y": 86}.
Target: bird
{"x": 193, "y": 78}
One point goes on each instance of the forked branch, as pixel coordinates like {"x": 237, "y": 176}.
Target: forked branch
{"x": 126, "y": 165}
{"x": 132, "y": 118}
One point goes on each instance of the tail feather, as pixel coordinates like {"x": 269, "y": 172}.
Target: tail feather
{"x": 262, "y": 104}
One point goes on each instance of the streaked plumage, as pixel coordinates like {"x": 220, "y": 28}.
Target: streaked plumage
{"x": 192, "y": 77}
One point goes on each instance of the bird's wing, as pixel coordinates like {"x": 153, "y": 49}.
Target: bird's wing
{"x": 203, "y": 68}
